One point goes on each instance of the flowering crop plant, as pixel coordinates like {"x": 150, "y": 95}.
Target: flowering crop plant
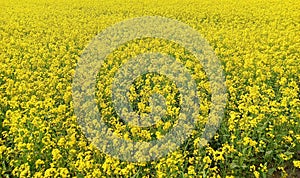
{"x": 171, "y": 103}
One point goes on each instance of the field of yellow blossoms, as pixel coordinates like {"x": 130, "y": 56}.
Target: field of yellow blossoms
{"x": 256, "y": 41}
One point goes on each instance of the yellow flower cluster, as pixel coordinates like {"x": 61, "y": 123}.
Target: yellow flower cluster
{"x": 257, "y": 42}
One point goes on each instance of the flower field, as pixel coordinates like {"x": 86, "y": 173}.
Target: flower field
{"x": 257, "y": 43}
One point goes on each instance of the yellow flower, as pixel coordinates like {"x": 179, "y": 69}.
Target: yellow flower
{"x": 256, "y": 174}
{"x": 296, "y": 164}
{"x": 63, "y": 172}
{"x": 50, "y": 172}
{"x": 56, "y": 154}
{"x": 61, "y": 141}
{"x": 38, "y": 163}
{"x": 258, "y": 50}
{"x": 207, "y": 160}
{"x": 252, "y": 168}
{"x": 191, "y": 170}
